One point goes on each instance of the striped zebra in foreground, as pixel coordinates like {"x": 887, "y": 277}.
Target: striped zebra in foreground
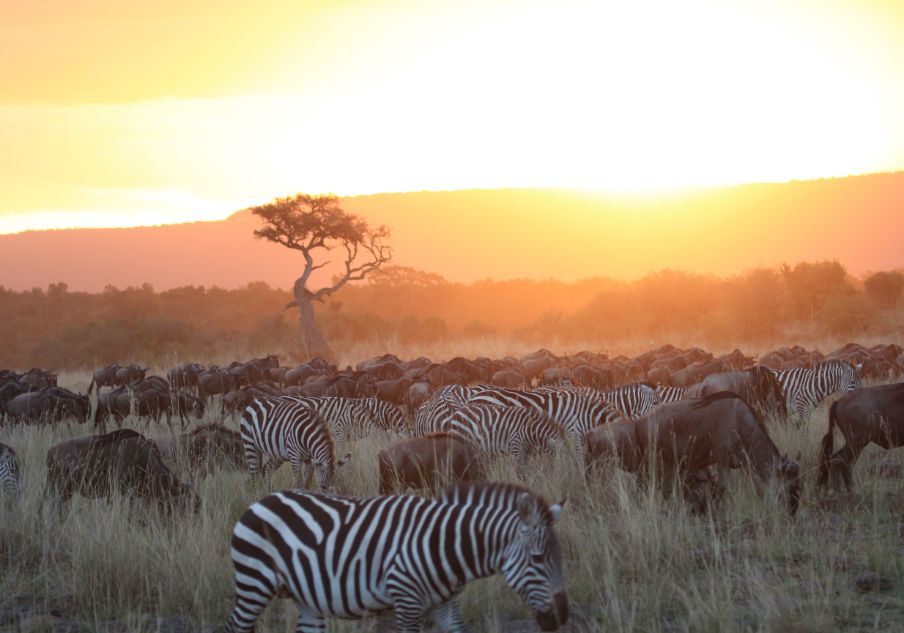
{"x": 284, "y": 429}
{"x": 633, "y": 400}
{"x": 352, "y": 557}
{"x": 669, "y": 394}
{"x": 806, "y": 387}
{"x": 503, "y": 430}
{"x": 575, "y": 412}
{"x": 10, "y": 475}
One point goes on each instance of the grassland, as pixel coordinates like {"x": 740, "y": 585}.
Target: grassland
{"x": 634, "y": 560}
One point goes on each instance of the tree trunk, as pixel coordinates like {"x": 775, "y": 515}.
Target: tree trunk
{"x": 314, "y": 343}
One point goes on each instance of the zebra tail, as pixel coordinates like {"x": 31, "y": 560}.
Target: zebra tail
{"x": 827, "y": 449}
{"x": 90, "y": 385}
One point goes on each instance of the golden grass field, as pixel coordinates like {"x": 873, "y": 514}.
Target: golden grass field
{"x": 634, "y": 560}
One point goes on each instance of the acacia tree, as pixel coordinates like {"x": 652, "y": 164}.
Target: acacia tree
{"x": 316, "y": 225}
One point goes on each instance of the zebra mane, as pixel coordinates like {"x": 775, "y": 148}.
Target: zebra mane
{"x": 493, "y": 494}
{"x": 836, "y": 362}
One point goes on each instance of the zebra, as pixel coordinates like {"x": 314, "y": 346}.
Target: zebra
{"x": 385, "y": 415}
{"x": 348, "y": 557}
{"x": 575, "y": 412}
{"x": 500, "y": 430}
{"x": 633, "y": 400}
{"x": 282, "y": 428}
{"x": 349, "y": 417}
{"x": 10, "y": 475}
{"x": 669, "y": 394}
{"x": 806, "y": 387}
{"x": 433, "y": 416}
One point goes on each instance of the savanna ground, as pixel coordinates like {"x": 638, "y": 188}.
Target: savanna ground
{"x": 634, "y": 560}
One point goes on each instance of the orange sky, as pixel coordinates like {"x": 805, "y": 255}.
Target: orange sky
{"x": 120, "y": 113}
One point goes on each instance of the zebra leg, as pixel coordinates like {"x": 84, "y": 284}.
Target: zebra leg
{"x": 448, "y": 617}
{"x": 521, "y": 461}
{"x": 309, "y": 622}
{"x": 802, "y": 411}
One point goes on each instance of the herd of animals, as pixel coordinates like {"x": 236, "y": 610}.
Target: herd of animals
{"x": 682, "y": 416}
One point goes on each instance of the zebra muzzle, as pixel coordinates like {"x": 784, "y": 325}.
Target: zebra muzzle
{"x": 554, "y": 618}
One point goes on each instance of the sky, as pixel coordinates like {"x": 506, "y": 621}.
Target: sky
{"x": 131, "y": 113}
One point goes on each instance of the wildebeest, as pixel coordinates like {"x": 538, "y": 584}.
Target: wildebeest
{"x": 149, "y": 403}
{"x": 866, "y": 415}
{"x": 185, "y": 376}
{"x": 51, "y": 404}
{"x": 97, "y": 465}
{"x": 205, "y": 448}
{"x": 757, "y": 385}
{"x": 680, "y": 438}
{"x": 103, "y": 377}
{"x": 39, "y": 378}
{"x": 429, "y": 462}
{"x": 215, "y": 381}
{"x": 131, "y": 374}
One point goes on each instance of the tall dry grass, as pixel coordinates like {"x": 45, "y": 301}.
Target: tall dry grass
{"x": 634, "y": 560}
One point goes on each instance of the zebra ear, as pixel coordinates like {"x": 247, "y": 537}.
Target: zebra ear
{"x": 556, "y": 509}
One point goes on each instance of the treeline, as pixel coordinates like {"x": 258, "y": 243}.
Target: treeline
{"x": 57, "y": 328}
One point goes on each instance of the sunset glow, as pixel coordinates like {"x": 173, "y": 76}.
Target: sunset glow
{"x": 119, "y": 114}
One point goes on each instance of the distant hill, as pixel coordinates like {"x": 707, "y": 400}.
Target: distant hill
{"x": 506, "y": 234}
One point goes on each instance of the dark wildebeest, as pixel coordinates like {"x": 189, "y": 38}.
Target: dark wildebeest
{"x": 681, "y": 438}
{"x": 589, "y": 376}
{"x": 131, "y": 374}
{"x": 757, "y": 385}
{"x": 236, "y": 401}
{"x": 215, "y": 381}
{"x": 51, "y": 404}
{"x": 39, "y": 378}
{"x": 185, "y": 376}
{"x": 124, "y": 460}
{"x": 430, "y": 462}
{"x": 868, "y": 414}
{"x": 511, "y": 378}
{"x": 205, "y": 448}
{"x": 693, "y": 374}
{"x": 9, "y": 390}
{"x": 150, "y": 404}
{"x": 104, "y": 377}
{"x": 393, "y": 390}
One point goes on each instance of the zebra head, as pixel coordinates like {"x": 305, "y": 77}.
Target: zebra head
{"x": 851, "y": 378}
{"x": 328, "y": 470}
{"x": 532, "y": 563}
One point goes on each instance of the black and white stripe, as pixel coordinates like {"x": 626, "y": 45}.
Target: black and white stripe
{"x": 669, "y": 394}
{"x": 10, "y": 475}
{"x": 433, "y": 416}
{"x": 283, "y": 429}
{"x": 351, "y": 557}
{"x": 633, "y": 400}
{"x": 575, "y": 412}
{"x": 354, "y": 417}
{"x": 504, "y": 430}
{"x": 806, "y": 387}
